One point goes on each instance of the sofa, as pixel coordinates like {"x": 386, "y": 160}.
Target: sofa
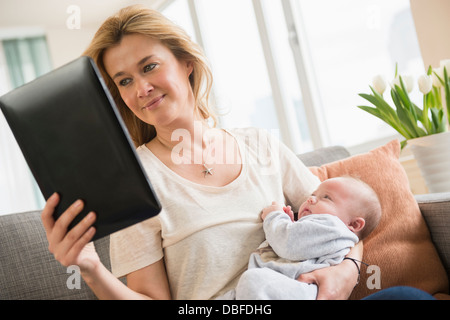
{"x": 29, "y": 272}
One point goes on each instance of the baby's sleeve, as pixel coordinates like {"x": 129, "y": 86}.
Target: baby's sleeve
{"x": 311, "y": 237}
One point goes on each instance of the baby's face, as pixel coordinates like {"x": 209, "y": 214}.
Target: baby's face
{"x": 333, "y": 196}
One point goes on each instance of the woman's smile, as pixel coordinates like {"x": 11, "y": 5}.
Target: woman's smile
{"x": 154, "y": 103}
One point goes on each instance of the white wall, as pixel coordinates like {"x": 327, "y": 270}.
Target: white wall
{"x": 66, "y": 45}
{"x": 50, "y": 17}
{"x": 432, "y": 21}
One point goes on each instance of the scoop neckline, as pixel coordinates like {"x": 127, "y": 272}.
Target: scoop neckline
{"x": 185, "y": 181}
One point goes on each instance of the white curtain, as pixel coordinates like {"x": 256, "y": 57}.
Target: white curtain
{"x": 21, "y": 60}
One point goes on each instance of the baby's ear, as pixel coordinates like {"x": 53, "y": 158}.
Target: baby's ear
{"x": 357, "y": 224}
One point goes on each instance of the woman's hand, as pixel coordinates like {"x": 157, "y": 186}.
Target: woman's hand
{"x": 73, "y": 247}
{"x": 336, "y": 282}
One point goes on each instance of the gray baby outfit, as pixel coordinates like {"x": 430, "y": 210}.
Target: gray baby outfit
{"x": 291, "y": 249}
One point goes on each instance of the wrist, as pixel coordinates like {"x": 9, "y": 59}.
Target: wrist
{"x": 91, "y": 272}
{"x": 356, "y": 267}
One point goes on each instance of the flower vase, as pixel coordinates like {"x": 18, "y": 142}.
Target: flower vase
{"x": 432, "y": 154}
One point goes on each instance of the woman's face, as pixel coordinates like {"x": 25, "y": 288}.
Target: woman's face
{"x": 151, "y": 81}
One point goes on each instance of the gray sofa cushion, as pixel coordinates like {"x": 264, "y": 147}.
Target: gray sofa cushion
{"x": 28, "y": 270}
{"x": 323, "y": 155}
{"x": 435, "y": 209}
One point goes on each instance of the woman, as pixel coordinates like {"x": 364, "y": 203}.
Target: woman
{"x": 212, "y": 183}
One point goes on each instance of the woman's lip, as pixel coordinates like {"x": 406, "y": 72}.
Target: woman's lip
{"x": 154, "y": 103}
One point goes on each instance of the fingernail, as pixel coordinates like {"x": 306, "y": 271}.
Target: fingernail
{"x": 77, "y": 203}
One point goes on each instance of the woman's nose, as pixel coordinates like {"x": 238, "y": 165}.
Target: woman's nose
{"x": 144, "y": 88}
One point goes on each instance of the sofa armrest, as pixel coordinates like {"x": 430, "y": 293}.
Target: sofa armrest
{"x": 435, "y": 208}
{"x": 28, "y": 271}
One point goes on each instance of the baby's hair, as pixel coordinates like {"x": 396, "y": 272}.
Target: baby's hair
{"x": 371, "y": 206}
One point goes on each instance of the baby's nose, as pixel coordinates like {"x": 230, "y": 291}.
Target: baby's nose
{"x": 312, "y": 200}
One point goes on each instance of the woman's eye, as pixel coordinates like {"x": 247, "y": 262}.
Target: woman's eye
{"x": 124, "y": 82}
{"x": 149, "y": 67}
{"x": 327, "y": 197}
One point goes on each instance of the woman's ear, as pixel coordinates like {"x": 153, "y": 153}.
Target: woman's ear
{"x": 189, "y": 67}
{"x": 357, "y": 224}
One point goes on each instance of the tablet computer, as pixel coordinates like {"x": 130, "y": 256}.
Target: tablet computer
{"x": 76, "y": 143}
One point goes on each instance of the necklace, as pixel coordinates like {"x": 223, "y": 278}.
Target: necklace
{"x": 207, "y": 171}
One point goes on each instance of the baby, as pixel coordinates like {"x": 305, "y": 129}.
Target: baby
{"x": 333, "y": 219}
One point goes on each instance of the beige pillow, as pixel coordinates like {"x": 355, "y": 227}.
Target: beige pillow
{"x": 401, "y": 244}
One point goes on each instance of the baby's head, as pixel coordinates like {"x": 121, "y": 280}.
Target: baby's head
{"x": 348, "y": 198}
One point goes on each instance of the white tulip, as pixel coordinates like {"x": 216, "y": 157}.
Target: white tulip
{"x": 407, "y": 80}
{"x": 379, "y": 84}
{"x": 425, "y": 83}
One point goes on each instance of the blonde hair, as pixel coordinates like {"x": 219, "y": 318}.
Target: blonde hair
{"x": 137, "y": 19}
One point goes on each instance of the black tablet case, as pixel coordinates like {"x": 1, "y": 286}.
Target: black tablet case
{"x": 75, "y": 143}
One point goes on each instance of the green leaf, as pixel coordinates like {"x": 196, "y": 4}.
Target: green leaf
{"x": 424, "y": 118}
{"x": 447, "y": 93}
{"x": 439, "y": 78}
{"x": 384, "y": 108}
{"x": 383, "y": 105}
{"x": 403, "y": 144}
{"x": 394, "y": 124}
{"x": 406, "y": 125}
{"x": 409, "y": 111}
{"x": 437, "y": 116}
{"x": 407, "y": 100}
{"x": 404, "y": 118}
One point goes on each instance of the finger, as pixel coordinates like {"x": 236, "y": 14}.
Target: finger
{"x": 47, "y": 213}
{"x": 78, "y": 230}
{"x": 80, "y": 244}
{"x": 307, "y": 278}
{"x": 63, "y": 222}
{"x": 73, "y": 236}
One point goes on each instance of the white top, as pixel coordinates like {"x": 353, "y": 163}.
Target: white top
{"x": 206, "y": 234}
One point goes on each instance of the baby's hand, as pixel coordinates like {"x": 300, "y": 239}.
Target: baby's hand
{"x": 289, "y": 212}
{"x": 274, "y": 207}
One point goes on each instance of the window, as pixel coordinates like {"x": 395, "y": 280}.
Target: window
{"x": 242, "y": 87}
{"x": 323, "y": 53}
{"x": 21, "y": 60}
{"x": 284, "y": 63}
{"x": 350, "y": 42}
{"x": 178, "y": 12}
